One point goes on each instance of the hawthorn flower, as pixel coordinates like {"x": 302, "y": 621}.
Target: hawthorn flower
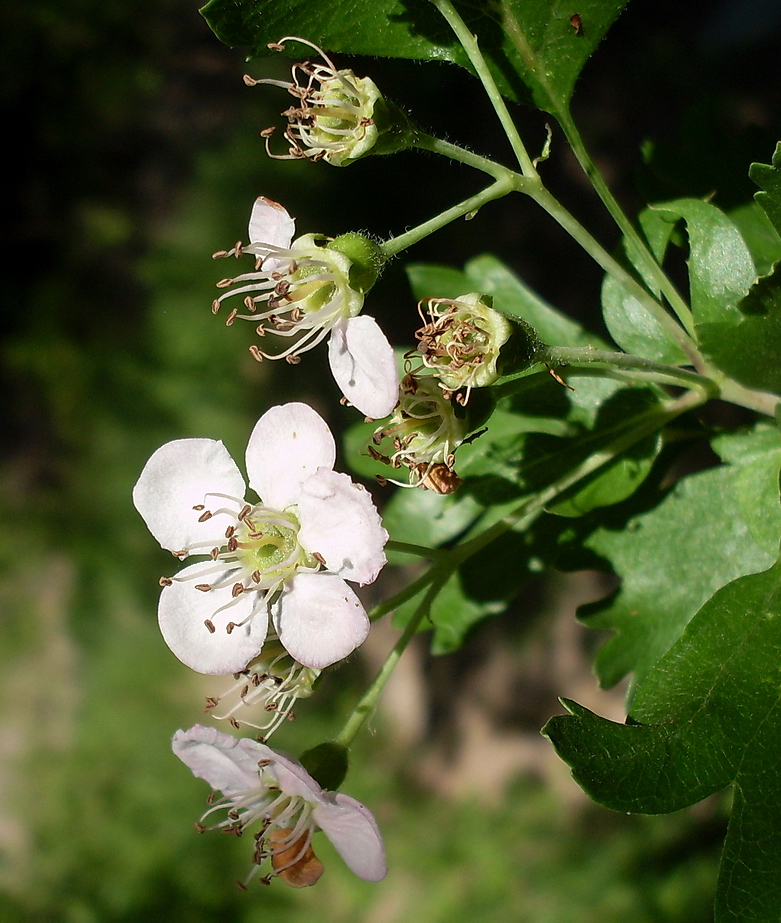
{"x": 260, "y": 785}
{"x": 286, "y": 556}
{"x": 425, "y": 432}
{"x": 271, "y": 684}
{"x": 338, "y": 116}
{"x": 306, "y": 289}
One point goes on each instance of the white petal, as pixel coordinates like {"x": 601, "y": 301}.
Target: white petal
{"x": 289, "y": 443}
{"x": 270, "y": 223}
{"x": 339, "y": 520}
{"x": 183, "y": 610}
{"x": 293, "y": 779}
{"x": 179, "y": 476}
{"x": 364, "y": 366}
{"x": 319, "y": 619}
{"x": 222, "y": 760}
{"x": 352, "y": 829}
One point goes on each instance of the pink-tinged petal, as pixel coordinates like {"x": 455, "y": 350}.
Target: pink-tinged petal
{"x": 222, "y": 760}
{"x": 352, "y": 829}
{"x": 270, "y": 223}
{"x": 364, "y": 366}
{"x": 183, "y": 612}
{"x": 289, "y": 443}
{"x": 339, "y": 521}
{"x": 293, "y": 779}
{"x": 182, "y": 475}
{"x": 319, "y": 619}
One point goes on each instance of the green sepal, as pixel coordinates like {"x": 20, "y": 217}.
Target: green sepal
{"x": 327, "y": 764}
{"x": 396, "y": 132}
{"x": 366, "y": 256}
{"x": 522, "y": 350}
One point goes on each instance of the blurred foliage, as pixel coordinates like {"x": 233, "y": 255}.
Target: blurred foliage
{"x": 134, "y": 155}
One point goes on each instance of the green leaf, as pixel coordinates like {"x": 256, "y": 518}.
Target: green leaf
{"x": 706, "y": 717}
{"x": 721, "y": 270}
{"x": 713, "y": 527}
{"x": 768, "y": 176}
{"x": 631, "y": 325}
{"x": 422, "y": 517}
{"x": 453, "y": 613}
{"x": 762, "y": 239}
{"x": 429, "y": 280}
{"x": 534, "y": 51}
{"x": 749, "y": 351}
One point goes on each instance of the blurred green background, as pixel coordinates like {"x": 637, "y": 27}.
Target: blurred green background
{"x": 133, "y": 155}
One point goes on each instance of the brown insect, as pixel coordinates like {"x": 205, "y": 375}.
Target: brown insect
{"x": 576, "y": 22}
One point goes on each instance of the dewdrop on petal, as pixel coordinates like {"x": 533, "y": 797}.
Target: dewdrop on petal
{"x": 338, "y": 117}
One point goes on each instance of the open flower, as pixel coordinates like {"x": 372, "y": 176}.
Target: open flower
{"x": 265, "y": 691}
{"x": 261, "y": 785}
{"x": 305, "y": 289}
{"x": 286, "y": 556}
{"x": 425, "y": 433}
{"x": 338, "y": 117}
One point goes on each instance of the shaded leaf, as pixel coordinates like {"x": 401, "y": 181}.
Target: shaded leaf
{"x": 749, "y": 351}
{"x": 768, "y": 177}
{"x": 534, "y": 51}
{"x": 707, "y": 531}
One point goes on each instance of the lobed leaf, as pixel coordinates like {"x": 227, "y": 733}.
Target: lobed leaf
{"x": 713, "y": 527}
{"x": 768, "y": 177}
{"x": 708, "y": 715}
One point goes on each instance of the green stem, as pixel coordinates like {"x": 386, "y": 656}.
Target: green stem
{"x": 525, "y": 512}
{"x": 664, "y": 374}
{"x": 470, "y": 46}
{"x": 576, "y": 230}
{"x": 764, "y": 402}
{"x": 650, "y": 263}
{"x": 462, "y": 155}
{"x": 421, "y": 551}
{"x": 369, "y": 700}
{"x": 396, "y": 244}
{"x": 436, "y": 576}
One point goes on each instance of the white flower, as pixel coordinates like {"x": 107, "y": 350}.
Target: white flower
{"x": 336, "y": 115}
{"x": 270, "y": 685}
{"x": 287, "y": 556}
{"x": 259, "y": 784}
{"x": 306, "y": 289}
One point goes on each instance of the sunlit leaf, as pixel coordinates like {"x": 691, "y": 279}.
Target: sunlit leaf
{"x": 714, "y": 526}
{"x": 706, "y": 717}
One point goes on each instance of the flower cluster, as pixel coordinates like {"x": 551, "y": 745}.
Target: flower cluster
{"x": 267, "y": 597}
